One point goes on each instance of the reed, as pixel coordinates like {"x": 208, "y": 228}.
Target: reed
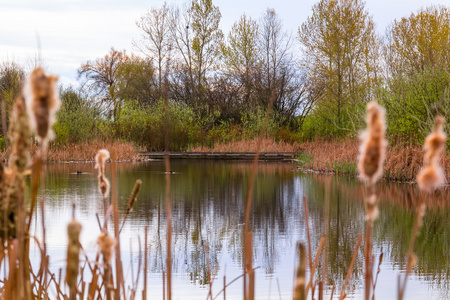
{"x": 430, "y": 177}
{"x": 370, "y": 166}
{"x": 265, "y": 145}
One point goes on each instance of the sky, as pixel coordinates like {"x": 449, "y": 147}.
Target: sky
{"x": 67, "y": 33}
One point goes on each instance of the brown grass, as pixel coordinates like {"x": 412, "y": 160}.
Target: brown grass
{"x": 267, "y": 145}
{"x": 86, "y": 151}
{"x": 403, "y": 162}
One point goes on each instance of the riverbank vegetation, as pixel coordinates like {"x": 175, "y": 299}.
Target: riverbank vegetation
{"x": 219, "y": 83}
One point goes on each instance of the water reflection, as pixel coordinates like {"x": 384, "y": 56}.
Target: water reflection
{"x": 208, "y": 212}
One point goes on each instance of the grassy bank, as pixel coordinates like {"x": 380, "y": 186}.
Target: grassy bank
{"x": 267, "y": 145}
{"x": 403, "y": 162}
{"x": 83, "y": 151}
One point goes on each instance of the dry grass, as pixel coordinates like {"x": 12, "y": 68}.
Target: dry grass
{"x": 403, "y": 162}
{"x": 267, "y": 145}
{"x": 86, "y": 151}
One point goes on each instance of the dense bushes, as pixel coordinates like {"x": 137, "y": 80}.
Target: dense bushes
{"x": 413, "y": 100}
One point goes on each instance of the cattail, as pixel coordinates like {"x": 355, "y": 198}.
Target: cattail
{"x": 12, "y": 185}
{"x": 42, "y": 103}
{"x": 373, "y": 145}
{"x": 100, "y": 160}
{"x": 19, "y": 134}
{"x": 134, "y": 194}
{"x": 73, "y": 252}
{"x": 431, "y": 176}
{"x": 106, "y": 243}
{"x": 371, "y": 208}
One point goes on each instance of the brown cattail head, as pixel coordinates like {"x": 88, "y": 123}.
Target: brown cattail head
{"x": 373, "y": 145}
{"x": 100, "y": 160}
{"x": 73, "y": 252}
{"x": 19, "y": 134}
{"x": 106, "y": 243}
{"x": 431, "y": 176}
{"x": 42, "y": 102}
{"x": 134, "y": 194}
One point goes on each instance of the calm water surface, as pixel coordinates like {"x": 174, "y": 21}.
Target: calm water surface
{"x": 208, "y": 212}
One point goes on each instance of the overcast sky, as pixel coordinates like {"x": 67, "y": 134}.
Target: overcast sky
{"x": 71, "y": 32}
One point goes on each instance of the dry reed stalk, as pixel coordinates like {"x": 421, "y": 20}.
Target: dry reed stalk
{"x": 350, "y": 268}
{"x": 411, "y": 258}
{"x": 299, "y": 288}
{"x": 305, "y": 206}
{"x": 168, "y": 198}
{"x": 85, "y": 151}
{"x": 313, "y": 269}
{"x": 266, "y": 145}
{"x": 119, "y": 270}
{"x": 247, "y": 261}
{"x": 106, "y": 247}
{"x": 380, "y": 260}
{"x": 370, "y": 167}
{"x": 36, "y": 175}
{"x": 144, "y": 292}
{"x": 327, "y": 226}
{"x": 13, "y": 205}
{"x": 430, "y": 177}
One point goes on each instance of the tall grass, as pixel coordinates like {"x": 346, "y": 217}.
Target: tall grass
{"x": 403, "y": 162}
{"x": 266, "y": 145}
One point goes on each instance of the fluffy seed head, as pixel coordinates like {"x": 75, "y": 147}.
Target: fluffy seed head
{"x": 106, "y": 243}
{"x": 100, "y": 159}
{"x": 431, "y": 176}
{"x": 42, "y": 103}
{"x": 372, "y": 151}
{"x": 103, "y": 183}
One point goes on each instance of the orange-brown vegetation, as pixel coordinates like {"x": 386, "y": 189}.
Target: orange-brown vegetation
{"x": 403, "y": 162}
{"x": 267, "y": 145}
{"x": 86, "y": 151}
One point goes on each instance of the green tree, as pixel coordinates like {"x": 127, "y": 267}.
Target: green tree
{"x": 420, "y": 41}
{"x": 137, "y": 81}
{"x": 341, "y": 52}
{"x": 77, "y": 117}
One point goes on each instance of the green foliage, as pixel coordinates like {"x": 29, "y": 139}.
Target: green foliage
{"x": 146, "y": 125}
{"x": 76, "y": 120}
{"x": 253, "y": 120}
{"x": 412, "y": 101}
{"x": 323, "y": 122}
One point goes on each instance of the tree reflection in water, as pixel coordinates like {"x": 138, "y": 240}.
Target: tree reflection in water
{"x": 208, "y": 212}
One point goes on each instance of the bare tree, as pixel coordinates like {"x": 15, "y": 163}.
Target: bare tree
{"x": 157, "y": 42}
{"x": 101, "y": 78}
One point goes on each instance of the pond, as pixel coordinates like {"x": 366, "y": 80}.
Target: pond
{"x": 208, "y": 200}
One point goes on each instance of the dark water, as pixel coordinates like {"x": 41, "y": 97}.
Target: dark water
{"x": 208, "y": 213}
